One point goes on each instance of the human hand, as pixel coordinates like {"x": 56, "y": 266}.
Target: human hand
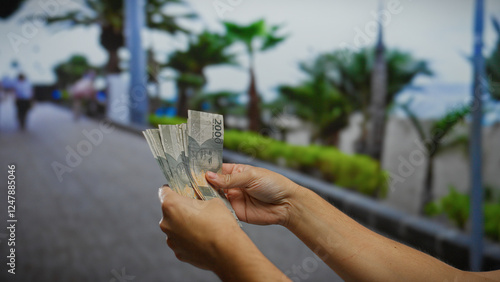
{"x": 202, "y": 233}
{"x": 258, "y": 195}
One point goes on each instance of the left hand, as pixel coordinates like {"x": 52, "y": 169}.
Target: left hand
{"x": 199, "y": 232}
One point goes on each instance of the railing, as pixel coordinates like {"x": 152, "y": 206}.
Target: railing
{"x": 449, "y": 245}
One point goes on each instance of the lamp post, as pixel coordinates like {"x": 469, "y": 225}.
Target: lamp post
{"x": 138, "y": 97}
{"x": 476, "y": 236}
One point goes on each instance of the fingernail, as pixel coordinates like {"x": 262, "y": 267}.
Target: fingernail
{"x": 160, "y": 194}
{"x": 211, "y": 175}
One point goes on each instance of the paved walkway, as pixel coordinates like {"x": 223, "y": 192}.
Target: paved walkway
{"x": 101, "y": 220}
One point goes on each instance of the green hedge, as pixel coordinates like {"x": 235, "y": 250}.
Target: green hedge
{"x": 355, "y": 172}
{"x": 456, "y": 206}
{"x": 155, "y": 120}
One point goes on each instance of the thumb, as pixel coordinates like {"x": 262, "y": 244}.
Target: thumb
{"x": 164, "y": 192}
{"x": 227, "y": 181}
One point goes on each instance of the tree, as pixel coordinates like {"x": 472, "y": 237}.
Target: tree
{"x": 433, "y": 142}
{"x": 378, "y": 101}
{"x": 256, "y": 36}
{"x": 109, "y": 16}
{"x": 350, "y": 73}
{"x": 73, "y": 69}
{"x": 205, "y": 49}
{"x": 221, "y": 102}
{"x": 317, "y": 101}
{"x": 493, "y": 65}
{"x": 9, "y": 8}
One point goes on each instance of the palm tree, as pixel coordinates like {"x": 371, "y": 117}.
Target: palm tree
{"x": 206, "y": 49}
{"x": 221, "y": 102}
{"x": 433, "y": 142}
{"x": 256, "y": 36}
{"x": 493, "y": 66}
{"x": 351, "y": 73}
{"x": 70, "y": 71}
{"x": 9, "y": 8}
{"x": 109, "y": 16}
{"x": 317, "y": 101}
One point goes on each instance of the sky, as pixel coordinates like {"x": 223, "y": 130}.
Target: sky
{"x": 437, "y": 31}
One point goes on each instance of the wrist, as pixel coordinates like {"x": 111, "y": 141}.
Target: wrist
{"x": 299, "y": 207}
{"x": 236, "y": 258}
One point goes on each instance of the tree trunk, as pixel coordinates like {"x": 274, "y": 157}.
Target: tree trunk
{"x": 360, "y": 145}
{"x": 427, "y": 189}
{"x": 155, "y": 102}
{"x": 182, "y": 100}
{"x": 112, "y": 40}
{"x": 253, "y": 103}
{"x": 378, "y": 103}
{"x": 333, "y": 139}
{"x": 112, "y": 66}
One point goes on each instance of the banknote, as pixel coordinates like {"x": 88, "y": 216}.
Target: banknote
{"x": 205, "y": 132}
{"x": 154, "y": 141}
{"x": 185, "y": 152}
{"x": 172, "y": 142}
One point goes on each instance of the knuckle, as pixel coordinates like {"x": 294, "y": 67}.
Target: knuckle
{"x": 168, "y": 205}
{"x": 252, "y": 174}
{"x": 170, "y": 243}
{"x": 179, "y": 256}
{"x": 164, "y": 226}
{"x": 227, "y": 179}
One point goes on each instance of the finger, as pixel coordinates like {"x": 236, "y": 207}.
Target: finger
{"x": 228, "y": 181}
{"x": 228, "y": 168}
{"x": 163, "y": 192}
{"x": 164, "y": 226}
{"x": 232, "y": 168}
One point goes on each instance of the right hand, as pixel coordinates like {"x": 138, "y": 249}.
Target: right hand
{"x": 258, "y": 196}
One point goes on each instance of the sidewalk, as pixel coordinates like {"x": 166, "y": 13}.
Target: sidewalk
{"x": 101, "y": 221}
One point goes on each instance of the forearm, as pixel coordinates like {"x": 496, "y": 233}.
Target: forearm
{"x": 355, "y": 252}
{"x": 241, "y": 260}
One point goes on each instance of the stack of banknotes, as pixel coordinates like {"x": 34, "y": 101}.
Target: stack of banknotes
{"x": 185, "y": 152}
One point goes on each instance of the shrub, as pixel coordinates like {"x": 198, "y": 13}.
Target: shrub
{"x": 359, "y": 173}
{"x": 492, "y": 220}
{"x": 155, "y": 120}
{"x": 456, "y": 206}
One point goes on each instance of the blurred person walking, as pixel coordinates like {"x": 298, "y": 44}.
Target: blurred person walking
{"x": 82, "y": 91}
{"x": 24, "y": 97}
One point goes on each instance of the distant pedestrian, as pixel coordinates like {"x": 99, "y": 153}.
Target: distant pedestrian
{"x": 24, "y": 97}
{"x": 82, "y": 91}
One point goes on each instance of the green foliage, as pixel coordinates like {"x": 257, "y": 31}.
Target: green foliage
{"x": 439, "y": 129}
{"x": 110, "y": 13}
{"x": 203, "y": 50}
{"x": 70, "y": 71}
{"x": 317, "y": 101}
{"x": 456, "y": 206}
{"x": 350, "y": 72}
{"x": 492, "y": 220}
{"x": 492, "y": 64}
{"x": 249, "y": 34}
{"x": 156, "y": 120}
{"x": 221, "y": 102}
{"x": 109, "y": 16}
{"x": 9, "y": 8}
{"x": 359, "y": 173}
